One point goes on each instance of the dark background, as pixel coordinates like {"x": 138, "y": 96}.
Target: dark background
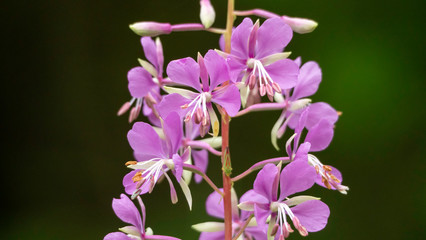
{"x": 63, "y": 71}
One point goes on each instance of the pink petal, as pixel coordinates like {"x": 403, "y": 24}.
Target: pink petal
{"x": 143, "y": 139}
{"x": 126, "y": 210}
{"x": 212, "y": 236}
{"x": 320, "y": 135}
{"x": 298, "y": 61}
{"x": 252, "y": 197}
{"x": 173, "y": 130}
{"x": 160, "y": 237}
{"x": 229, "y": 98}
{"x": 239, "y": 39}
{"x": 318, "y": 111}
{"x": 140, "y": 82}
{"x": 258, "y": 232}
{"x": 117, "y": 236}
{"x": 302, "y": 152}
{"x": 308, "y": 81}
{"x": 217, "y": 69}
{"x": 272, "y": 37}
{"x": 264, "y": 184}
{"x": 150, "y": 50}
{"x": 296, "y": 177}
{"x": 185, "y": 71}
{"x": 173, "y": 103}
{"x": 201, "y": 160}
{"x": 284, "y": 72}
{"x": 214, "y": 205}
{"x": 177, "y": 160}
{"x": 313, "y": 214}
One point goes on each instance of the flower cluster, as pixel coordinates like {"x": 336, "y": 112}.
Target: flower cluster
{"x": 189, "y": 106}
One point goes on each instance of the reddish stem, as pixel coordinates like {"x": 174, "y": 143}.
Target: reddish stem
{"x": 226, "y": 160}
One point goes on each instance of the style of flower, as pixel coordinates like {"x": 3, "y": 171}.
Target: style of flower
{"x": 213, "y": 71}
{"x": 257, "y": 60}
{"x": 145, "y": 82}
{"x": 317, "y": 139}
{"x": 215, "y": 230}
{"x": 307, "y": 213}
{"x": 155, "y": 157}
{"x": 126, "y": 210}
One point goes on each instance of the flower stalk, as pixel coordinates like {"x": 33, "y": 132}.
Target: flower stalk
{"x": 227, "y": 182}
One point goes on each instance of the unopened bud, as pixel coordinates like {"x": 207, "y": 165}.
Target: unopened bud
{"x": 300, "y": 25}
{"x": 207, "y": 14}
{"x": 151, "y": 28}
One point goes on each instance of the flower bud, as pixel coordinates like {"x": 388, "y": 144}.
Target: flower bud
{"x": 300, "y": 25}
{"x": 207, "y": 14}
{"x": 151, "y": 28}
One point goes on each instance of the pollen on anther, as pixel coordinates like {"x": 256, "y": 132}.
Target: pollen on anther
{"x": 128, "y": 163}
{"x": 137, "y": 177}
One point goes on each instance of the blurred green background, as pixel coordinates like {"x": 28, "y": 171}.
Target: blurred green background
{"x": 64, "y": 77}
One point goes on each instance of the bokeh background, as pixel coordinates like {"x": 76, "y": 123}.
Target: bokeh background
{"x": 63, "y": 71}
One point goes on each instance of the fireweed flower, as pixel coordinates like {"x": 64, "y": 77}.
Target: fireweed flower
{"x": 307, "y": 84}
{"x": 126, "y": 210}
{"x": 317, "y": 139}
{"x": 307, "y": 213}
{"x": 197, "y": 106}
{"x": 155, "y": 157}
{"x": 145, "y": 82}
{"x": 215, "y": 230}
{"x": 257, "y": 60}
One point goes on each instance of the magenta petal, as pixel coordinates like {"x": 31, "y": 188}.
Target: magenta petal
{"x": 144, "y": 139}
{"x": 239, "y": 39}
{"x": 229, "y": 98}
{"x": 272, "y": 37}
{"x": 313, "y": 214}
{"x": 321, "y": 110}
{"x": 261, "y": 215}
{"x": 296, "y": 177}
{"x": 264, "y": 182}
{"x": 284, "y": 72}
{"x": 160, "y": 237}
{"x": 302, "y": 152}
{"x": 173, "y": 130}
{"x": 217, "y": 69}
{"x": 185, "y": 71}
{"x": 236, "y": 68}
{"x": 201, "y": 160}
{"x": 252, "y": 197}
{"x": 117, "y": 236}
{"x": 320, "y": 135}
{"x": 214, "y": 205}
{"x": 140, "y": 82}
{"x": 212, "y": 235}
{"x": 150, "y": 50}
{"x": 172, "y": 103}
{"x": 300, "y": 126}
{"x": 126, "y": 210}
{"x": 298, "y": 61}
{"x": 308, "y": 81}
{"x": 258, "y": 232}
{"x": 129, "y": 185}
{"x": 177, "y": 160}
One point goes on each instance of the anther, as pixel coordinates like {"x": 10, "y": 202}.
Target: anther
{"x": 128, "y": 163}
{"x": 137, "y": 177}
